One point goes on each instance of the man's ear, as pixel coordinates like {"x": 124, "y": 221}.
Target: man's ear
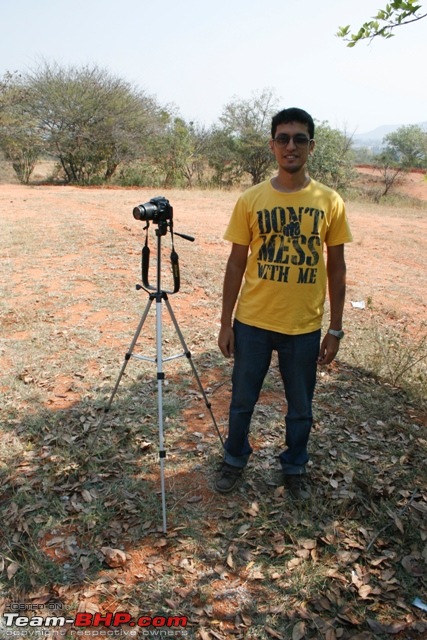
{"x": 312, "y": 145}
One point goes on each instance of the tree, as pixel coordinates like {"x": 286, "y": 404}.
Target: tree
{"x": 389, "y": 169}
{"x": 88, "y": 120}
{"x": 22, "y": 147}
{"x": 396, "y": 14}
{"x": 332, "y": 160}
{"x": 18, "y": 138}
{"x": 180, "y": 153}
{"x": 247, "y": 124}
{"x": 223, "y": 159}
{"x": 408, "y": 146}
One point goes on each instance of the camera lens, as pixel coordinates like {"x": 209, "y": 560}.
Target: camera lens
{"x": 145, "y": 211}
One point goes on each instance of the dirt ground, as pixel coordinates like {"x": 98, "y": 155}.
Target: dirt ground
{"x": 386, "y": 261}
{"x": 64, "y": 283}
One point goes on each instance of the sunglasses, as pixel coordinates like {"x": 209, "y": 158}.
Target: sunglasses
{"x": 299, "y": 140}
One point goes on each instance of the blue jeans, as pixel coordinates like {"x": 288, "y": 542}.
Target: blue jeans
{"x": 297, "y": 364}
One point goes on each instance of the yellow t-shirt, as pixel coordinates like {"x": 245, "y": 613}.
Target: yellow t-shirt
{"x": 284, "y": 287}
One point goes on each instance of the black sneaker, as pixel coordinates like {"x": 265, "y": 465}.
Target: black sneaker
{"x": 297, "y": 486}
{"x": 227, "y": 478}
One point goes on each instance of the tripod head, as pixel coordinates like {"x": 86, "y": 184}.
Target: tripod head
{"x": 159, "y": 211}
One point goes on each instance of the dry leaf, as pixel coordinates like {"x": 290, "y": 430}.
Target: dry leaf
{"x": 12, "y": 569}
{"x": 414, "y": 566}
{"x": 307, "y": 543}
{"x": 399, "y": 524}
{"x": 393, "y": 628}
{"x": 247, "y": 620}
{"x": 279, "y": 549}
{"x": 114, "y": 557}
{"x": 87, "y": 496}
{"x": 172, "y": 604}
{"x": 253, "y": 509}
{"x": 257, "y": 575}
{"x": 187, "y": 564}
{"x": 161, "y": 543}
{"x": 86, "y": 606}
{"x": 273, "y": 633}
{"x": 364, "y": 591}
{"x": 294, "y": 562}
{"x": 347, "y": 615}
{"x": 298, "y": 632}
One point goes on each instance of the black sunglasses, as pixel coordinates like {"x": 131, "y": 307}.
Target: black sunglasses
{"x": 299, "y": 139}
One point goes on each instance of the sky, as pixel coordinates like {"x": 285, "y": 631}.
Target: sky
{"x": 200, "y": 55}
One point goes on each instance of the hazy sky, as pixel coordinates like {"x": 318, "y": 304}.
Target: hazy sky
{"x": 199, "y": 55}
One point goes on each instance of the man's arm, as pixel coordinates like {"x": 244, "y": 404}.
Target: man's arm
{"x": 235, "y": 269}
{"x": 336, "y": 269}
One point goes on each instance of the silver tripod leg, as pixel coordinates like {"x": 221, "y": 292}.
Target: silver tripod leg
{"x": 122, "y": 370}
{"x": 159, "y": 360}
{"x": 160, "y": 379}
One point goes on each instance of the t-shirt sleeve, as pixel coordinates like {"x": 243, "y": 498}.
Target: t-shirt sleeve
{"x": 339, "y": 229}
{"x": 238, "y": 229}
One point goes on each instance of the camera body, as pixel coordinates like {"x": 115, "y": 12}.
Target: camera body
{"x": 157, "y": 210}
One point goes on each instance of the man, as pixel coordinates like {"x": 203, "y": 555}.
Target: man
{"x": 278, "y": 230}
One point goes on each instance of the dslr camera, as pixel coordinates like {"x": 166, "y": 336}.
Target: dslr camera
{"x": 157, "y": 210}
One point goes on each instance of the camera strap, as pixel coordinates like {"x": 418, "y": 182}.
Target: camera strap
{"x": 175, "y": 269}
{"x": 145, "y": 266}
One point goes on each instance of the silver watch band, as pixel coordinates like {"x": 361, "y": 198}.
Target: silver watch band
{"x": 337, "y": 333}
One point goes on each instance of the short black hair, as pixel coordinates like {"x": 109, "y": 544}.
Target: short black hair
{"x": 292, "y": 115}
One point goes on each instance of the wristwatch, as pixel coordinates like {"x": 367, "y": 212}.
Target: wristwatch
{"x": 338, "y": 334}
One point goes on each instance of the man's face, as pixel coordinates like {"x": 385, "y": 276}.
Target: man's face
{"x": 292, "y": 146}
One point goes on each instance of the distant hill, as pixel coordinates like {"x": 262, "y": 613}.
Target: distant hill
{"x": 373, "y": 139}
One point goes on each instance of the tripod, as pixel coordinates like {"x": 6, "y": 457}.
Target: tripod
{"x": 160, "y": 296}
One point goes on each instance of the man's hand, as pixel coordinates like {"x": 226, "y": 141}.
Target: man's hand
{"x": 226, "y": 341}
{"x": 328, "y": 349}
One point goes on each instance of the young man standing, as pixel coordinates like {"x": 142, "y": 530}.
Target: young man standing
{"x": 278, "y": 230}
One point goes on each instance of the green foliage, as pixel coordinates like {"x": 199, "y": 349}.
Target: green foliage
{"x": 246, "y": 124}
{"x": 408, "y": 146}
{"x": 87, "y": 119}
{"x": 19, "y": 139}
{"x": 138, "y": 173}
{"x": 395, "y": 14}
{"x": 221, "y": 153}
{"x": 92, "y": 121}
{"x": 332, "y": 160}
{"x": 363, "y": 155}
{"x": 179, "y": 154}
{"x": 22, "y": 147}
{"x": 99, "y": 128}
{"x": 403, "y": 150}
